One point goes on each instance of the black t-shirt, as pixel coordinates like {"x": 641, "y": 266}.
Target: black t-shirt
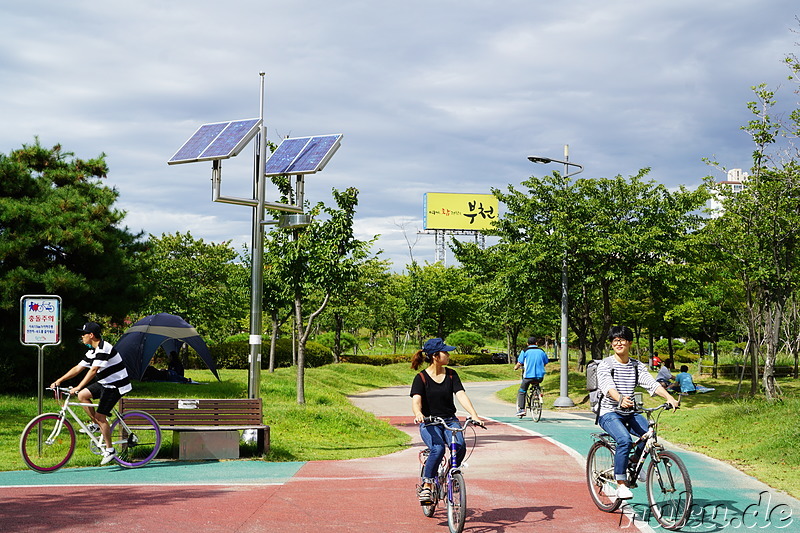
{"x": 437, "y": 398}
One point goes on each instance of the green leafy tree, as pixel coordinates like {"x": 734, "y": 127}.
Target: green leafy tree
{"x": 758, "y": 232}
{"x": 60, "y": 234}
{"x": 317, "y": 262}
{"x": 441, "y": 299}
{"x": 204, "y": 283}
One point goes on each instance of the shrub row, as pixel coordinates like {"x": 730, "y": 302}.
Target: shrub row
{"x": 236, "y": 354}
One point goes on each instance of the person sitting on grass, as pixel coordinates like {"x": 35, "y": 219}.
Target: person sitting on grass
{"x": 684, "y": 382}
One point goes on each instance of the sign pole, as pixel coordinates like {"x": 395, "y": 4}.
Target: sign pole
{"x": 40, "y": 326}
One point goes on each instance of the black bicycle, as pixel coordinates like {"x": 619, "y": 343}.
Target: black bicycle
{"x": 533, "y": 402}
{"x": 449, "y": 481}
{"x": 669, "y": 489}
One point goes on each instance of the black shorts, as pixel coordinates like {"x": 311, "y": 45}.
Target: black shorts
{"x": 106, "y": 398}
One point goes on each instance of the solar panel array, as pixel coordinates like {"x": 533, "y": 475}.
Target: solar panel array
{"x": 302, "y": 155}
{"x": 219, "y": 140}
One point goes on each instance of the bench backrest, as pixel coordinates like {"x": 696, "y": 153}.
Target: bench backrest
{"x": 203, "y": 412}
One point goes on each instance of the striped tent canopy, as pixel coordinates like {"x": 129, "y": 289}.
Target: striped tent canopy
{"x": 140, "y": 341}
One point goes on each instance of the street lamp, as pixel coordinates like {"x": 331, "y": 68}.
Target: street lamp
{"x": 563, "y": 400}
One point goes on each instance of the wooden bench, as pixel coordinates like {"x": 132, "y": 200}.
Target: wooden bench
{"x": 205, "y": 428}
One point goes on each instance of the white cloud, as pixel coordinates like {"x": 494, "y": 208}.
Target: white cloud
{"x": 446, "y": 96}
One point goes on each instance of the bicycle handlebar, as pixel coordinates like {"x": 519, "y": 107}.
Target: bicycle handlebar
{"x": 436, "y": 420}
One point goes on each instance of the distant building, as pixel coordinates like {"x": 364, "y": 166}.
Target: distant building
{"x": 736, "y": 181}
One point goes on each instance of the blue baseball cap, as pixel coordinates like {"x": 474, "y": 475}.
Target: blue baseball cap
{"x": 434, "y": 346}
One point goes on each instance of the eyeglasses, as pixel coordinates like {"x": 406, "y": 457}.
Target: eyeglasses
{"x": 619, "y": 341}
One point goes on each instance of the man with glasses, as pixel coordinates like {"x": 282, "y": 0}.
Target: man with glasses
{"x": 617, "y": 377}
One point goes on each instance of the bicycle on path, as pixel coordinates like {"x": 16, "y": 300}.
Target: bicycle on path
{"x": 669, "y": 489}
{"x": 534, "y": 402}
{"x": 48, "y": 441}
{"x": 449, "y": 481}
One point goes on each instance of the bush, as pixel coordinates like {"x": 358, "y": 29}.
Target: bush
{"x": 228, "y": 354}
{"x": 662, "y": 346}
{"x": 238, "y": 337}
{"x": 467, "y": 342}
{"x": 377, "y": 360}
{"x": 236, "y": 354}
{"x": 685, "y": 356}
{"x": 725, "y": 347}
{"x": 347, "y": 340}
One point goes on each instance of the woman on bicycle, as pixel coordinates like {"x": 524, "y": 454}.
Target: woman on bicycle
{"x": 432, "y": 395}
{"x": 617, "y": 377}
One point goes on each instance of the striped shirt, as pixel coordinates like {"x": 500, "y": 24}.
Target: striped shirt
{"x": 111, "y": 372}
{"x": 624, "y": 380}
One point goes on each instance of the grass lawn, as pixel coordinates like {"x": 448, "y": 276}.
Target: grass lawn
{"x": 327, "y": 426}
{"x": 759, "y": 438}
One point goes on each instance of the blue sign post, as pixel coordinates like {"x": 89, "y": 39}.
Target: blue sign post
{"x": 40, "y": 326}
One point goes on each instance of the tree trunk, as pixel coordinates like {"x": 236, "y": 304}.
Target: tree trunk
{"x": 774, "y": 320}
{"x": 301, "y": 352}
{"x": 338, "y": 322}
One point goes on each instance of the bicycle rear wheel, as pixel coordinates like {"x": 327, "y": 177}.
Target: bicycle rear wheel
{"x": 600, "y": 477}
{"x": 47, "y": 442}
{"x": 535, "y": 404}
{"x": 669, "y": 490}
{"x": 137, "y": 441}
{"x": 457, "y": 503}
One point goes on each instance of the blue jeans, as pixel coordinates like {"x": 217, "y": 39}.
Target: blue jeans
{"x": 437, "y": 439}
{"x": 620, "y": 428}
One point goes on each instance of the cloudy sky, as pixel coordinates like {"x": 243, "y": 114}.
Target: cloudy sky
{"x": 431, "y": 96}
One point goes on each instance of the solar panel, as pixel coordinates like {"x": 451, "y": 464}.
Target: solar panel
{"x": 219, "y": 140}
{"x": 302, "y": 155}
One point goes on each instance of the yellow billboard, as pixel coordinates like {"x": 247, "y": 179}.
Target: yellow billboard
{"x": 445, "y": 210}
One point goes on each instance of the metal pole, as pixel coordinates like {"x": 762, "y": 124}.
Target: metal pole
{"x": 564, "y": 400}
{"x": 257, "y": 259}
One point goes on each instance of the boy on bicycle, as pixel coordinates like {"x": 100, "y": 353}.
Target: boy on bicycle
{"x": 533, "y": 359}
{"x": 105, "y": 364}
{"x": 617, "y": 377}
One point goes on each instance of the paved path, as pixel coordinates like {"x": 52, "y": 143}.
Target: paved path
{"x": 522, "y": 476}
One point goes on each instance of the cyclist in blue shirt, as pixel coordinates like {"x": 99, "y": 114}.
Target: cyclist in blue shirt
{"x": 533, "y": 360}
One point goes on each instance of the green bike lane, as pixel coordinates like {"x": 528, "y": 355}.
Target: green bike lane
{"x": 724, "y": 497}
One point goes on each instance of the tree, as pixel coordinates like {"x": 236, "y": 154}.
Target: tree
{"x": 60, "y": 234}
{"x": 204, "y": 283}
{"x": 317, "y": 262}
{"x": 440, "y": 299}
{"x": 613, "y": 232}
{"x": 758, "y": 232}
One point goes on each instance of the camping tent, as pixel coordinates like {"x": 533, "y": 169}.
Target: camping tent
{"x": 140, "y": 341}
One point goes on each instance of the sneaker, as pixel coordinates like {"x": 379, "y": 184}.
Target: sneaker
{"x": 425, "y": 496}
{"x": 624, "y": 493}
{"x": 108, "y": 456}
{"x": 520, "y": 412}
{"x": 609, "y": 490}
{"x": 91, "y": 429}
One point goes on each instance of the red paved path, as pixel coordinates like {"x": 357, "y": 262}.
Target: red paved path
{"x": 505, "y": 493}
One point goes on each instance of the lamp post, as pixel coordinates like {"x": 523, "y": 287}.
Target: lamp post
{"x": 563, "y": 400}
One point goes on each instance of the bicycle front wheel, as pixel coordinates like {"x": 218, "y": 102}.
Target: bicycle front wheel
{"x": 600, "y": 477}
{"x": 137, "y": 438}
{"x": 536, "y": 406}
{"x": 47, "y": 442}
{"x": 669, "y": 490}
{"x": 457, "y": 503}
